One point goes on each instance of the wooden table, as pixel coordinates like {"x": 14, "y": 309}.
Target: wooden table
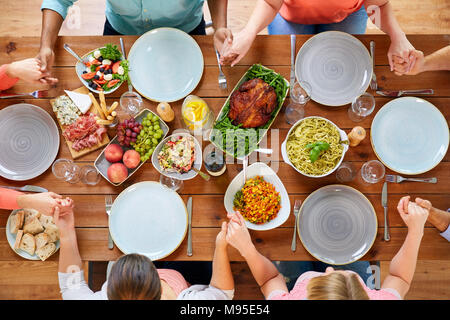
{"x": 208, "y": 210}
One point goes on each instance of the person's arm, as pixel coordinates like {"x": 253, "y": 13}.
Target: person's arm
{"x": 384, "y": 19}
{"x": 263, "y": 14}
{"x": 263, "y": 270}
{"x": 403, "y": 265}
{"x": 438, "y": 60}
{"x": 222, "y": 277}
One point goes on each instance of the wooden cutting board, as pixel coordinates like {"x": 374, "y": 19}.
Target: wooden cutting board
{"x": 76, "y": 154}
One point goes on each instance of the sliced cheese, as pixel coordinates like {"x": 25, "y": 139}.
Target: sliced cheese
{"x": 82, "y": 101}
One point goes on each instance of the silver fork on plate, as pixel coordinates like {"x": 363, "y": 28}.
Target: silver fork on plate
{"x": 294, "y": 236}
{"x": 373, "y": 82}
{"x": 108, "y": 206}
{"x": 397, "y": 179}
{"x": 222, "y": 78}
{"x": 35, "y": 94}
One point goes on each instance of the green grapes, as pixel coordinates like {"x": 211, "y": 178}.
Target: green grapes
{"x": 149, "y": 137}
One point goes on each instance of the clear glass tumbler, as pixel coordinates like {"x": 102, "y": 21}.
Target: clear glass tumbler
{"x": 361, "y": 107}
{"x": 300, "y": 95}
{"x": 131, "y": 102}
{"x": 171, "y": 183}
{"x": 372, "y": 171}
{"x": 89, "y": 175}
{"x": 67, "y": 170}
{"x": 346, "y": 172}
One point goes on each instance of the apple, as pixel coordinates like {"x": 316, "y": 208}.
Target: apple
{"x": 131, "y": 159}
{"x": 117, "y": 172}
{"x": 113, "y": 153}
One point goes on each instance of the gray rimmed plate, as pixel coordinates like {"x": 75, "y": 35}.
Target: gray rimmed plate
{"x": 29, "y": 141}
{"x": 337, "y": 224}
{"x": 336, "y": 65}
{"x": 176, "y": 175}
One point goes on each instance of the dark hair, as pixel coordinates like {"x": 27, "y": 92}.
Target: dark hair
{"x": 134, "y": 277}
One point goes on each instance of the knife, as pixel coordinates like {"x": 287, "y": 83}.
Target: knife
{"x": 389, "y": 93}
{"x": 27, "y": 188}
{"x": 189, "y": 208}
{"x": 292, "y": 79}
{"x": 387, "y": 237}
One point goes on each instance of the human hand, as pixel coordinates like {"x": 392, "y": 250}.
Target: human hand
{"x": 233, "y": 52}
{"x": 426, "y": 204}
{"x": 401, "y": 48}
{"x": 28, "y": 70}
{"x": 46, "y": 57}
{"x": 65, "y": 223}
{"x": 412, "y": 214}
{"x": 43, "y": 202}
{"x": 414, "y": 66}
{"x": 65, "y": 206}
{"x": 221, "y": 241}
{"x": 238, "y": 235}
{"x": 223, "y": 38}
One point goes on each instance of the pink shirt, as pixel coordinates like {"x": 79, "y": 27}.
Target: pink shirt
{"x": 174, "y": 279}
{"x": 299, "y": 291}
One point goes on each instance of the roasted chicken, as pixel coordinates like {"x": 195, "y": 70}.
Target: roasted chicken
{"x": 252, "y": 104}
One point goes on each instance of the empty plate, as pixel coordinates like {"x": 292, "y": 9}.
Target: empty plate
{"x": 336, "y": 65}
{"x": 29, "y": 141}
{"x": 337, "y": 224}
{"x": 409, "y": 135}
{"x": 149, "y": 219}
{"x": 166, "y": 64}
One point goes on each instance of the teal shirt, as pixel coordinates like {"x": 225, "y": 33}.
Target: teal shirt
{"x": 135, "y": 17}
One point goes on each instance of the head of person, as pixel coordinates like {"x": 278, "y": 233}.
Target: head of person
{"x": 336, "y": 285}
{"x": 134, "y": 277}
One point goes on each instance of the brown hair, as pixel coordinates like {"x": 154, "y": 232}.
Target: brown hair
{"x": 134, "y": 277}
{"x": 336, "y": 286}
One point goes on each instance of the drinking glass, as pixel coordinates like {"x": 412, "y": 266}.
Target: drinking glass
{"x": 300, "y": 95}
{"x": 372, "y": 171}
{"x": 361, "y": 107}
{"x": 171, "y": 183}
{"x": 67, "y": 170}
{"x": 89, "y": 175}
{"x": 131, "y": 102}
{"x": 346, "y": 172}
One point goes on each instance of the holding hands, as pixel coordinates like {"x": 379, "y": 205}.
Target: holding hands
{"x": 45, "y": 203}
{"x": 414, "y": 214}
{"x": 31, "y": 71}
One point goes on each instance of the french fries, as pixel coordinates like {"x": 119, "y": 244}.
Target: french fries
{"x": 105, "y": 116}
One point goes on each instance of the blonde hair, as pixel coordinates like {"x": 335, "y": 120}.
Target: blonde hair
{"x": 336, "y": 286}
{"x": 134, "y": 277}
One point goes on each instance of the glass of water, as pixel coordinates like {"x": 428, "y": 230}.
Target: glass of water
{"x": 300, "y": 95}
{"x": 372, "y": 171}
{"x": 67, "y": 170}
{"x": 131, "y": 102}
{"x": 346, "y": 172}
{"x": 361, "y": 107}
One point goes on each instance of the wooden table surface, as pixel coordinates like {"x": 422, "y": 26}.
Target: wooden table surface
{"x": 208, "y": 210}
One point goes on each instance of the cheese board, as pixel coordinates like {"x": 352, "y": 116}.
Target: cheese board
{"x": 89, "y": 147}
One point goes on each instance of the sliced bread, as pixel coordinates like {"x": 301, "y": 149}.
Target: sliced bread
{"x": 33, "y": 226}
{"x": 45, "y": 220}
{"x": 53, "y": 232}
{"x": 28, "y": 244}
{"x": 41, "y": 239}
{"x": 46, "y": 251}
{"x": 16, "y": 221}
{"x": 18, "y": 239}
{"x": 30, "y": 214}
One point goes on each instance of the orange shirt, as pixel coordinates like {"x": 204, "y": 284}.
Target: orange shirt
{"x": 8, "y": 199}
{"x": 318, "y": 11}
{"x": 5, "y": 81}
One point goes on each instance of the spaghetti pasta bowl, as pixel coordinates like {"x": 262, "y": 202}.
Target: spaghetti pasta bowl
{"x": 310, "y": 130}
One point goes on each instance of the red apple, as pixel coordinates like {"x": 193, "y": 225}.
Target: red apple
{"x": 131, "y": 159}
{"x": 113, "y": 153}
{"x": 117, "y": 172}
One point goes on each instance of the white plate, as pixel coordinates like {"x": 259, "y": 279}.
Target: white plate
{"x": 260, "y": 169}
{"x": 12, "y": 239}
{"x": 165, "y": 64}
{"x": 29, "y": 141}
{"x": 336, "y": 65}
{"x": 409, "y": 135}
{"x": 149, "y": 219}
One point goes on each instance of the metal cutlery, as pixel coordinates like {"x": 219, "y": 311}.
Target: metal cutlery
{"x": 189, "y": 209}
{"x": 27, "y": 188}
{"x": 292, "y": 78}
{"x": 35, "y": 94}
{"x": 263, "y": 150}
{"x": 69, "y": 50}
{"x": 373, "y": 82}
{"x": 294, "y": 236}
{"x": 130, "y": 87}
{"x": 398, "y": 179}
{"x": 222, "y": 78}
{"x": 387, "y": 236}
{"x": 108, "y": 206}
{"x": 398, "y": 93}
{"x": 202, "y": 174}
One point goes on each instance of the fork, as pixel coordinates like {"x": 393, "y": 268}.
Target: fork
{"x": 222, "y": 79}
{"x": 108, "y": 205}
{"x": 294, "y": 236}
{"x": 373, "y": 82}
{"x": 35, "y": 94}
{"x": 397, "y": 179}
